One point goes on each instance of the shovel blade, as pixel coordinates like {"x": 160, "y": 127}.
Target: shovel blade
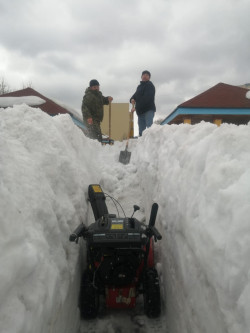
{"x": 124, "y": 156}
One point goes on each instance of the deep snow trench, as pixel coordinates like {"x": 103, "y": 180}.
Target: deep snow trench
{"x": 200, "y": 177}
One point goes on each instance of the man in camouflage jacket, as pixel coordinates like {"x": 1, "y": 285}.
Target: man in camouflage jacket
{"x": 92, "y": 109}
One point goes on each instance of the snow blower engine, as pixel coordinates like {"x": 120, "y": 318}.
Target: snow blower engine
{"x": 120, "y": 260}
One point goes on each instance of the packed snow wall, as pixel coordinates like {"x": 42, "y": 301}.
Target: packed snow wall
{"x": 43, "y": 185}
{"x": 200, "y": 177}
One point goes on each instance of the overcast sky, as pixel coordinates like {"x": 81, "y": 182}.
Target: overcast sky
{"x": 58, "y": 46}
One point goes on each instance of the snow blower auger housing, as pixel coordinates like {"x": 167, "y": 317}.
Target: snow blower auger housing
{"x": 120, "y": 260}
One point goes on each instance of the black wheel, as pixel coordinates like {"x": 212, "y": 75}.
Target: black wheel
{"x": 88, "y": 297}
{"x": 152, "y": 298}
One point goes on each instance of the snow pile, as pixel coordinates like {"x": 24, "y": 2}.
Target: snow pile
{"x": 29, "y": 100}
{"x": 43, "y": 183}
{"x": 200, "y": 177}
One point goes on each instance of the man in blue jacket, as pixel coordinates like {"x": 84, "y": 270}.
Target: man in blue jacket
{"x": 143, "y": 101}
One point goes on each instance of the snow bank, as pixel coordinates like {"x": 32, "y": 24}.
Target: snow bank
{"x": 43, "y": 184}
{"x": 200, "y": 177}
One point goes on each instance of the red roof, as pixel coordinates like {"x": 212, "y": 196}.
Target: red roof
{"x": 220, "y": 96}
{"x": 49, "y": 106}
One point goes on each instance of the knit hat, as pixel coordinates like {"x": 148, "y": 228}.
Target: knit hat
{"x": 93, "y": 83}
{"x": 146, "y": 72}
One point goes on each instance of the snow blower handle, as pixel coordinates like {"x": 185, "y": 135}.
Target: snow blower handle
{"x": 156, "y": 233}
{"x": 151, "y": 225}
{"x": 153, "y": 214}
{"x": 78, "y": 232}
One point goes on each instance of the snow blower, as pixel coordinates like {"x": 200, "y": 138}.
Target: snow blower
{"x": 120, "y": 260}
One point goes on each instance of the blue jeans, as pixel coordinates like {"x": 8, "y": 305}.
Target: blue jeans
{"x": 145, "y": 120}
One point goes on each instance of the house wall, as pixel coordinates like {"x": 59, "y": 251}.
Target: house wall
{"x": 120, "y": 121}
{"x": 235, "y": 116}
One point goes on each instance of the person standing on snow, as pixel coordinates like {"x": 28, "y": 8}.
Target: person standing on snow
{"x": 143, "y": 101}
{"x": 92, "y": 109}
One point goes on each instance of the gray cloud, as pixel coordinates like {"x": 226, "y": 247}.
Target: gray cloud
{"x": 188, "y": 46}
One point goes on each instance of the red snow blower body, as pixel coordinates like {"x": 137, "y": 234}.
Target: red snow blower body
{"x": 120, "y": 260}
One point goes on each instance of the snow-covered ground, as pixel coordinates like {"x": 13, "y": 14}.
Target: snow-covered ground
{"x": 200, "y": 177}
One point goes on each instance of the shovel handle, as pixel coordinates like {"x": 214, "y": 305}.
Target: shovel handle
{"x": 109, "y": 120}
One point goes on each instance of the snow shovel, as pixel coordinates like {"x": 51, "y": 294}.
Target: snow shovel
{"x": 125, "y": 155}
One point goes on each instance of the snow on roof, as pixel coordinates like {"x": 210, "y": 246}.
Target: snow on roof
{"x": 29, "y": 100}
{"x": 77, "y": 114}
{"x": 48, "y": 106}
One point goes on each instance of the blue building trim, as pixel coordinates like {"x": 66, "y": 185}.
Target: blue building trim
{"x": 215, "y": 111}
{"x": 78, "y": 122}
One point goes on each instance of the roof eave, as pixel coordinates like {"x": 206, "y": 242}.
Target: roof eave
{"x": 205, "y": 111}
